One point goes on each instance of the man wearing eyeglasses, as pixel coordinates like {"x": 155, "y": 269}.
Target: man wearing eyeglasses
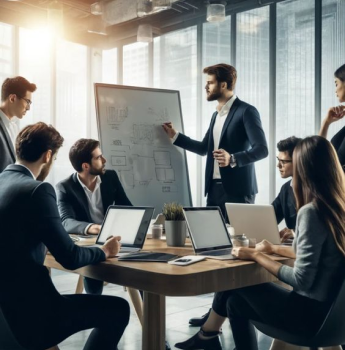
{"x": 284, "y": 205}
{"x": 15, "y": 102}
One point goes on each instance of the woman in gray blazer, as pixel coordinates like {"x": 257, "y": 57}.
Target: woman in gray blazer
{"x": 319, "y": 249}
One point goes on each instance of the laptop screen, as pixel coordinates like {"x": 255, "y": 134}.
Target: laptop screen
{"x": 128, "y": 222}
{"x": 207, "y": 227}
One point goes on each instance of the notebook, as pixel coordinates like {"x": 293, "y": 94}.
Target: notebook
{"x": 148, "y": 257}
{"x": 254, "y": 220}
{"x": 208, "y": 232}
{"x": 131, "y": 223}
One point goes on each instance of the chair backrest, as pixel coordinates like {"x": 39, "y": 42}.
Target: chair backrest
{"x": 7, "y": 340}
{"x": 333, "y": 328}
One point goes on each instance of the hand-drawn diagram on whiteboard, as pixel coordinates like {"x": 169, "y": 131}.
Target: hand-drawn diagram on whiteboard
{"x": 152, "y": 170}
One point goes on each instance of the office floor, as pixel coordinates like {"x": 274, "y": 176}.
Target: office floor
{"x": 178, "y": 311}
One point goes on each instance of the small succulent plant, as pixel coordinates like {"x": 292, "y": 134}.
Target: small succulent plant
{"x": 173, "y": 211}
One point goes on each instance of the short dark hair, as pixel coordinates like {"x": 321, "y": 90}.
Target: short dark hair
{"x": 340, "y": 73}
{"x": 81, "y": 152}
{"x": 288, "y": 145}
{"x": 224, "y": 73}
{"x": 36, "y": 139}
{"x": 17, "y": 86}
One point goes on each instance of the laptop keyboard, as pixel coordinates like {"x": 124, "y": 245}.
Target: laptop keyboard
{"x": 218, "y": 252}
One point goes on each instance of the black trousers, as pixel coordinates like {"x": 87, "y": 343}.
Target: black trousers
{"x": 218, "y": 197}
{"x": 107, "y": 315}
{"x": 271, "y": 304}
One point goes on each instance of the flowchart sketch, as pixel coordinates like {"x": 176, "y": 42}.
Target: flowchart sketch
{"x": 152, "y": 170}
{"x": 118, "y": 160}
{"x": 161, "y": 115}
{"x": 143, "y": 134}
{"x": 116, "y": 115}
{"x": 165, "y": 175}
{"x": 127, "y": 179}
{"x": 162, "y": 158}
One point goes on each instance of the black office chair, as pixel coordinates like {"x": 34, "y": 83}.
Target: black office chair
{"x": 331, "y": 332}
{"x": 7, "y": 340}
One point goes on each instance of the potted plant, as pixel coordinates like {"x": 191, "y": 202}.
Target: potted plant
{"x": 175, "y": 224}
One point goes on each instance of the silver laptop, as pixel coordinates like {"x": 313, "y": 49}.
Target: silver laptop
{"x": 254, "y": 220}
{"x": 208, "y": 232}
{"x": 131, "y": 223}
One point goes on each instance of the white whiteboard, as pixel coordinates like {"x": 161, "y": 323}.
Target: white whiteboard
{"x": 151, "y": 169}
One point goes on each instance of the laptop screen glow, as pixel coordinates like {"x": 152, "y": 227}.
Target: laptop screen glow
{"x": 207, "y": 229}
{"x": 122, "y": 222}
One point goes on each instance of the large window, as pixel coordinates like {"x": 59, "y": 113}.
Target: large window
{"x": 252, "y": 57}
{"x": 109, "y": 66}
{"x": 71, "y": 100}
{"x": 136, "y": 64}
{"x": 295, "y": 114}
{"x": 6, "y": 57}
{"x": 333, "y": 54}
{"x": 175, "y": 67}
{"x": 35, "y": 65}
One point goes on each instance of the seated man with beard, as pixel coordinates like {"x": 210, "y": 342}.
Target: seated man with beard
{"x": 84, "y": 197}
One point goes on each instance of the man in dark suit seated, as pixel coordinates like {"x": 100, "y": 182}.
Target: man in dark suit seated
{"x": 84, "y": 197}
{"x": 38, "y": 316}
{"x": 15, "y": 102}
{"x": 284, "y": 204}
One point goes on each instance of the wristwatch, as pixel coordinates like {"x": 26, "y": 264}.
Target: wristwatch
{"x": 232, "y": 161}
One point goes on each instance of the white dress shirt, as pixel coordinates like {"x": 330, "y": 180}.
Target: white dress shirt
{"x": 94, "y": 202}
{"x": 11, "y": 125}
{"x": 217, "y": 130}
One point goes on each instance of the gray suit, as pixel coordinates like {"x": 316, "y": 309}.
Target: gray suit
{"x": 6, "y": 148}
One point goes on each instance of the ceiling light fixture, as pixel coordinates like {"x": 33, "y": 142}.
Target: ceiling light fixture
{"x": 216, "y": 12}
{"x": 144, "y": 34}
{"x": 144, "y": 8}
{"x": 161, "y": 5}
{"x": 96, "y": 8}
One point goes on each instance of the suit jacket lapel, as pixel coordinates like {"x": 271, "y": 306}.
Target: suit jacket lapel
{"x": 230, "y": 116}
{"x": 8, "y": 140}
{"x": 107, "y": 194}
{"x": 81, "y": 196}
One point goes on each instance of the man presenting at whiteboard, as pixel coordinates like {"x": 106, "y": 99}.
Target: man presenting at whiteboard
{"x": 233, "y": 142}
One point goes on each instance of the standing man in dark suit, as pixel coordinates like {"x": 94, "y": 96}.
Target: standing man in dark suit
{"x": 15, "y": 102}
{"x": 40, "y": 317}
{"x": 84, "y": 197}
{"x": 233, "y": 142}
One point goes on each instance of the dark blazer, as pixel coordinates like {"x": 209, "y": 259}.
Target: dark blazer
{"x": 7, "y": 154}
{"x": 242, "y": 135}
{"x": 285, "y": 206}
{"x": 73, "y": 205}
{"x": 30, "y": 222}
{"x": 338, "y": 141}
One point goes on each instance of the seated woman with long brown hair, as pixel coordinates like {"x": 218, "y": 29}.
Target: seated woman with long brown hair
{"x": 319, "y": 249}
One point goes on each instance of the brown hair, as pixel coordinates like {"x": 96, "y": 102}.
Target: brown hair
{"x": 17, "y": 86}
{"x": 36, "y": 139}
{"x": 224, "y": 73}
{"x": 319, "y": 179}
{"x": 81, "y": 152}
{"x": 340, "y": 73}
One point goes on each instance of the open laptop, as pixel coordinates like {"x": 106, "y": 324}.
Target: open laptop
{"x": 131, "y": 223}
{"x": 208, "y": 232}
{"x": 254, "y": 220}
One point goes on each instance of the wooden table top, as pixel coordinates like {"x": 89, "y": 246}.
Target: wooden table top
{"x": 203, "y": 277}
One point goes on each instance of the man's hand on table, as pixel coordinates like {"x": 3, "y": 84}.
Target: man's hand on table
{"x": 94, "y": 229}
{"x": 112, "y": 246}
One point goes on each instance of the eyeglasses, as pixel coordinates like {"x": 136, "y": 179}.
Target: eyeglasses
{"x": 283, "y": 162}
{"x": 28, "y": 102}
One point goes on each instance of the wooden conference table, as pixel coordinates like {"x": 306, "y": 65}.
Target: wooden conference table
{"x": 159, "y": 280}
